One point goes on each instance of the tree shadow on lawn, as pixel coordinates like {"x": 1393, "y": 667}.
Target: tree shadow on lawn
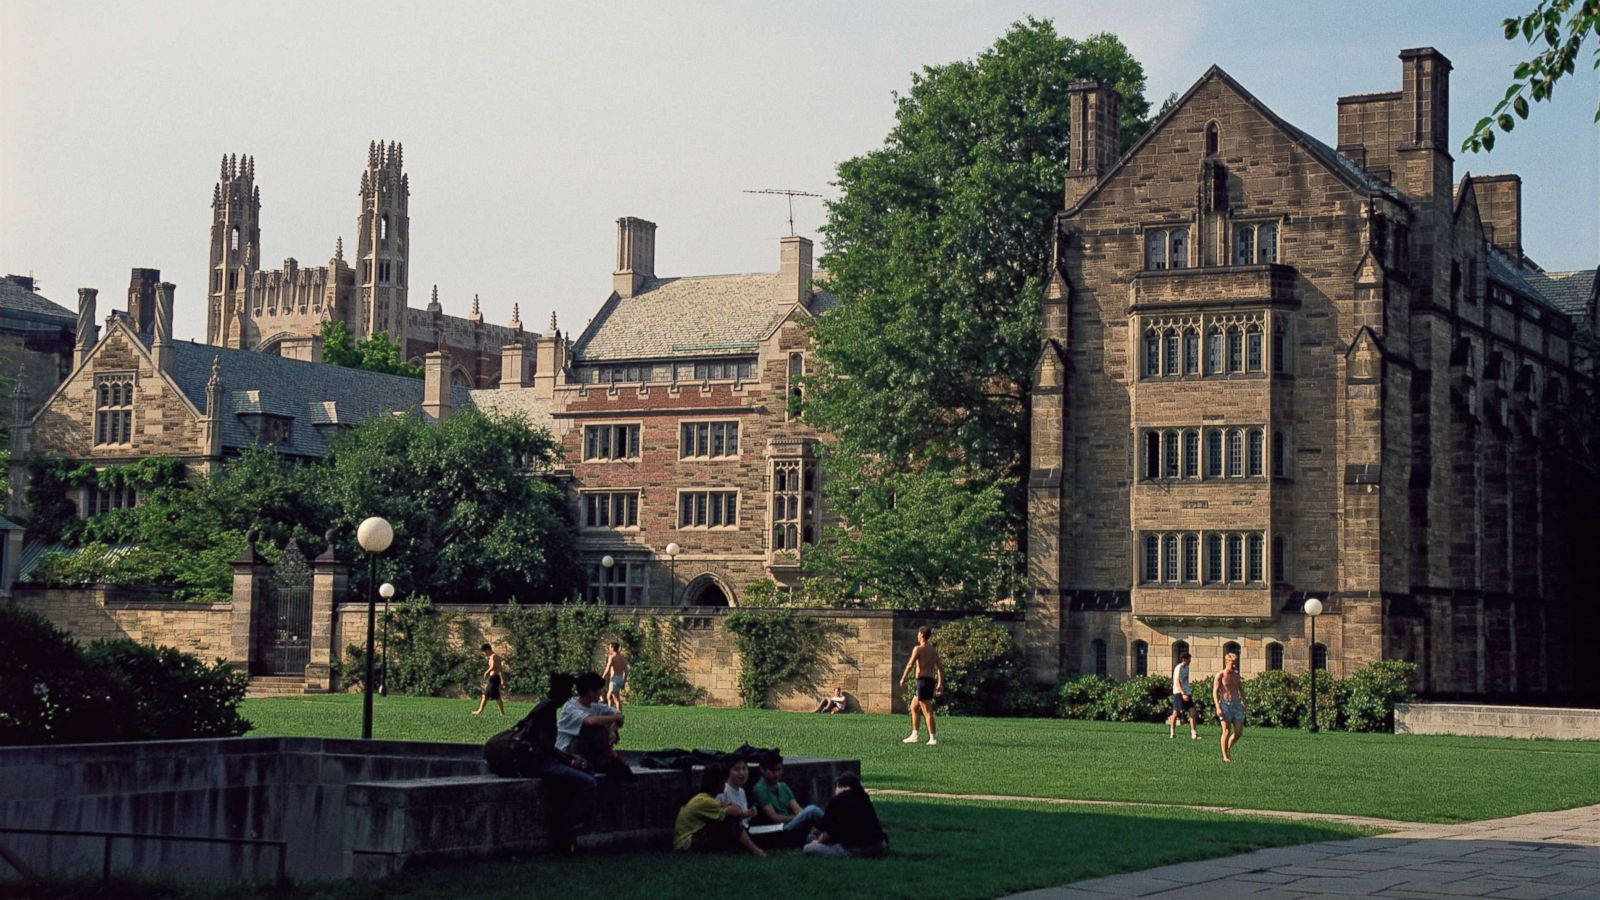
{"x": 939, "y": 848}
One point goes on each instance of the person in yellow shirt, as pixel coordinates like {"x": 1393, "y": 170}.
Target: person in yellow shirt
{"x": 704, "y": 823}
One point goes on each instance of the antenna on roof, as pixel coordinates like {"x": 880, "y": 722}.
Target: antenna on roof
{"x": 786, "y": 193}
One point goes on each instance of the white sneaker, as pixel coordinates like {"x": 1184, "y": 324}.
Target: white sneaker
{"x": 910, "y": 740}
{"x": 932, "y": 740}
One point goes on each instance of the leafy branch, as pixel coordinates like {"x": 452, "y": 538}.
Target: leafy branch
{"x": 1537, "y": 77}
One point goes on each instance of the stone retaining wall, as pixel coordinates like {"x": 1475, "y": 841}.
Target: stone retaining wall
{"x": 106, "y": 613}
{"x": 1497, "y": 721}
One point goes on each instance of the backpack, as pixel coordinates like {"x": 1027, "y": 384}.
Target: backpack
{"x": 512, "y": 753}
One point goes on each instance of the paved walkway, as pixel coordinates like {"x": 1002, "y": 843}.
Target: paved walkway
{"x": 1553, "y": 854}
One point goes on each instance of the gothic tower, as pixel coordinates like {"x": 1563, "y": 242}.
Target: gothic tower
{"x": 235, "y": 250}
{"x": 383, "y": 244}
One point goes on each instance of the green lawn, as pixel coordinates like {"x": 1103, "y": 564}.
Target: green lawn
{"x": 1405, "y": 777}
{"x": 940, "y": 849}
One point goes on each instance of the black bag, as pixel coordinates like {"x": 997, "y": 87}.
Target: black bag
{"x": 512, "y": 753}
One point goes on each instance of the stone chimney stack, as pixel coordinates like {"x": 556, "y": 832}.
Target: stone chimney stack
{"x": 514, "y": 359}
{"x": 1424, "y": 168}
{"x": 142, "y": 299}
{"x": 88, "y": 329}
{"x": 436, "y": 386}
{"x": 636, "y": 255}
{"x": 794, "y": 270}
{"x": 1093, "y": 112}
{"x": 161, "y": 346}
{"x": 550, "y": 358}
{"x": 1500, "y": 208}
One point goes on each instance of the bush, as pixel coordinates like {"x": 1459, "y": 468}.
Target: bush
{"x": 431, "y": 652}
{"x": 165, "y": 694}
{"x": 1145, "y": 698}
{"x": 1277, "y": 699}
{"x": 779, "y": 652}
{"x": 1081, "y": 697}
{"x": 55, "y": 692}
{"x": 983, "y": 666}
{"x": 655, "y": 671}
{"x": 1366, "y": 699}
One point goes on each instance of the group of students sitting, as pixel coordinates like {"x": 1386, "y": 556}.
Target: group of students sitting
{"x": 720, "y": 816}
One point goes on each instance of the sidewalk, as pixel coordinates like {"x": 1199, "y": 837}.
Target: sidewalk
{"x": 1550, "y": 854}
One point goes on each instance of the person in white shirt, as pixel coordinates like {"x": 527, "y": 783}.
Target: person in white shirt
{"x": 586, "y": 727}
{"x": 1181, "y": 701}
{"x": 733, "y": 795}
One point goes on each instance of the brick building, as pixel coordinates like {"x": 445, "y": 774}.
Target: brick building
{"x": 1274, "y": 370}
{"x": 672, "y": 411}
{"x": 281, "y": 311}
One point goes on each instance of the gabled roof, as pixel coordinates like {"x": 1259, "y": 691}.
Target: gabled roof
{"x": 1571, "y": 292}
{"x": 18, "y": 299}
{"x": 688, "y": 317}
{"x": 1523, "y": 279}
{"x": 514, "y": 403}
{"x": 1346, "y": 170}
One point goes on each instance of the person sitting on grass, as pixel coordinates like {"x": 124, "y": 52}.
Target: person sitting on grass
{"x": 775, "y": 801}
{"x": 834, "y": 704}
{"x": 733, "y": 796}
{"x": 704, "y": 823}
{"x": 850, "y": 826}
{"x": 588, "y": 728}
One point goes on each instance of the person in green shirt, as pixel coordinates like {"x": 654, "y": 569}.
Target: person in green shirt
{"x": 704, "y": 824}
{"x": 775, "y": 801}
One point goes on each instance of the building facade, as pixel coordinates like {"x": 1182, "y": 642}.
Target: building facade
{"x": 673, "y": 413}
{"x": 281, "y": 311}
{"x": 1275, "y": 370}
{"x": 37, "y": 337}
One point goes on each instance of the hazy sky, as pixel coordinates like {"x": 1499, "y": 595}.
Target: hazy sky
{"x": 529, "y": 128}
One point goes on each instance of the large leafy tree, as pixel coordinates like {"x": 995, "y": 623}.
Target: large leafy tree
{"x": 379, "y": 353}
{"x": 938, "y": 255}
{"x": 1555, "y": 30}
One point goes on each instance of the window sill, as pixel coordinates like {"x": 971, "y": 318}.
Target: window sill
{"x": 619, "y": 459}
{"x": 734, "y": 458}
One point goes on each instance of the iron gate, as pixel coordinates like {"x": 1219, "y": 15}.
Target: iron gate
{"x": 283, "y": 617}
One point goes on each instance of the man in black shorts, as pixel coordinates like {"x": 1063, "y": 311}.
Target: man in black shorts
{"x": 1181, "y": 701}
{"x": 925, "y": 657}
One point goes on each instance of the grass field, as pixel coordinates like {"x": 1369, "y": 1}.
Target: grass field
{"x": 1405, "y": 777}
{"x": 940, "y": 849}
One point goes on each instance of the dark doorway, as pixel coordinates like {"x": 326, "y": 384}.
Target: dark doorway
{"x": 710, "y": 594}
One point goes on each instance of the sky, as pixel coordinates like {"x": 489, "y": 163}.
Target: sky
{"x": 529, "y": 128}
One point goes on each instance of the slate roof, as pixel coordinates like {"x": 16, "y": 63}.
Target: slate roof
{"x": 310, "y": 393}
{"x": 514, "y": 402}
{"x": 1524, "y": 280}
{"x": 1571, "y": 292}
{"x": 18, "y": 299}
{"x": 692, "y": 316}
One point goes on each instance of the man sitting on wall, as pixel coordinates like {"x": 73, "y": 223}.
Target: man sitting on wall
{"x": 588, "y": 728}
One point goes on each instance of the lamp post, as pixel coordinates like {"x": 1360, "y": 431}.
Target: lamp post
{"x": 673, "y": 550}
{"x": 606, "y": 562}
{"x": 386, "y": 591}
{"x": 1313, "y": 608}
{"x": 374, "y": 535}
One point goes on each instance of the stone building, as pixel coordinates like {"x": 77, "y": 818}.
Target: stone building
{"x": 1276, "y": 370}
{"x": 36, "y": 341}
{"x": 672, "y": 410}
{"x": 281, "y": 311}
{"x": 131, "y": 395}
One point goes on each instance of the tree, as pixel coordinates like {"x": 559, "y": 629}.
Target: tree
{"x": 938, "y": 257}
{"x": 1562, "y": 26}
{"x": 379, "y": 353}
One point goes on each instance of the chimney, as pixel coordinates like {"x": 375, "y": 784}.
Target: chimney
{"x": 550, "y": 358}
{"x": 514, "y": 365}
{"x": 436, "y": 386}
{"x": 161, "y": 346}
{"x": 1425, "y": 98}
{"x": 88, "y": 330}
{"x": 636, "y": 255}
{"x": 1094, "y": 139}
{"x": 1500, "y": 208}
{"x": 794, "y": 270}
{"x": 142, "y": 299}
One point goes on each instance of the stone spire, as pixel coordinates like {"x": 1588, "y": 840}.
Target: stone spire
{"x": 477, "y": 314}
{"x": 19, "y": 397}
{"x": 433, "y": 305}
{"x": 516, "y": 317}
{"x": 338, "y": 248}
{"x": 211, "y": 422}
{"x": 552, "y": 322}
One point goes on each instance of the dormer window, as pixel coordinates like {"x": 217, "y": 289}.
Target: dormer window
{"x": 274, "y": 430}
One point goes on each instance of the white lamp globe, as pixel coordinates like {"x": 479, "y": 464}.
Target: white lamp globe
{"x": 1313, "y": 607}
{"x": 673, "y": 549}
{"x": 375, "y": 534}
{"x": 607, "y": 561}
{"x": 386, "y": 590}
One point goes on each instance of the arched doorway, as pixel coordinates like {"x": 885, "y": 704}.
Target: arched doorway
{"x": 706, "y": 590}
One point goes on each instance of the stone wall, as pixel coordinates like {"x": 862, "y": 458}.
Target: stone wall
{"x": 105, "y": 614}
{"x": 1497, "y": 721}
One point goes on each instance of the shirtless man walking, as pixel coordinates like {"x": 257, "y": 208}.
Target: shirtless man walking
{"x": 494, "y": 681}
{"x": 1227, "y": 692}
{"x": 925, "y": 657}
{"x": 615, "y": 674}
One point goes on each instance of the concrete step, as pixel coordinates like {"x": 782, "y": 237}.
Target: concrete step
{"x": 275, "y": 686}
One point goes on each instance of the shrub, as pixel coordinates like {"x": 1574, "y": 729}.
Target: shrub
{"x": 532, "y": 647}
{"x": 1080, "y": 697}
{"x": 779, "y": 652}
{"x": 166, "y": 694}
{"x": 1366, "y": 699}
{"x": 983, "y": 666}
{"x": 431, "y": 652}
{"x": 1145, "y": 698}
{"x": 1277, "y": 699}
{"x": 655, "y": 670}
